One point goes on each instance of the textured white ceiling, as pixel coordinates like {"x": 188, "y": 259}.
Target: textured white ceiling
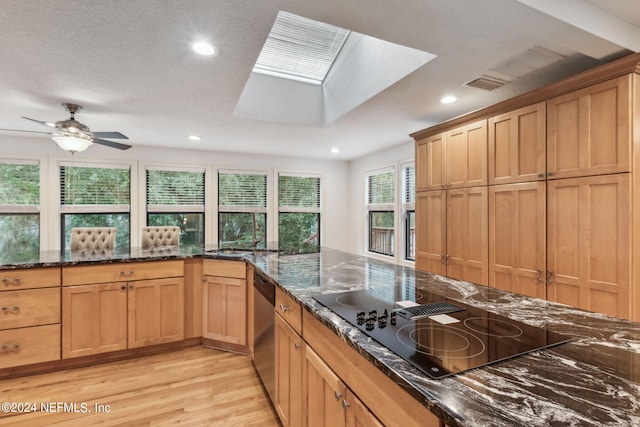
{"x": 129, "y": 64}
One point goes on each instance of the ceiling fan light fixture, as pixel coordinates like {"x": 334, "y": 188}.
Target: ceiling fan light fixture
{"x": 71, "y": 143}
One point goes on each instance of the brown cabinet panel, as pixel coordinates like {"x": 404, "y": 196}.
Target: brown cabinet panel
{"x": 24, "y": 346}
{"x": 517, "y": 145}
{"x": 589, "y": 132}
{"x": 467, "y": 235}
{"x": 289, "y": 358}
{"x": 121, "y": 272}
{"x": 94, "y": 319}
{"x": 155, "y": 311}
{"x": 430, "y": 163}
{"x": 13, "y": 280}
{"x": 588, "y": 243}
{"x": 289, "y": 309}
{"x": 29, "y": 308}
{"x": 431, "y": 231}
{"x": 466, "y": 155}
{"x": 517, "y": 238}
{"x": 323, "y": 393}
{"x": 225, "y": 309}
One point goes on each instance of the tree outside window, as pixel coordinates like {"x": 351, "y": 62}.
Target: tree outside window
{"x": 299, "y": 213}
{"x": 242, "y": 209}
{"x": 19, "y": 208}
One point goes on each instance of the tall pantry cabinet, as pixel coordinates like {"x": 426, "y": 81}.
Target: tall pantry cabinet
{"x": 560, "y": 191}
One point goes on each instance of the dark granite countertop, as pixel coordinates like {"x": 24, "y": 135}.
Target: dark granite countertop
{"x": 592, "y": 381}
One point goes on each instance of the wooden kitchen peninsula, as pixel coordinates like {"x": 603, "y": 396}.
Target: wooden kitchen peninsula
{"x": 592, "y": 380}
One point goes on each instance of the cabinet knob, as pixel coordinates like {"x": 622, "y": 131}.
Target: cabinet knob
{"x": 337, "y": 394}
{"x": 549, "y": 174}
{"x": 538, "y": 276}
{"x": 549, "y": 274}
{"x": 11, "y": 282}
{"x": 123, "y": 287}
{"x": 130, "y": 286}
{"x": 345, "y": 404}
{"x": 297, "y": 345}
{"x": 540, "y": 175}
{"x": 284, "y": 308}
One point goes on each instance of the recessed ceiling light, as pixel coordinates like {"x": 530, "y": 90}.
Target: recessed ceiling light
{"x": 195, "y": 137}
{"x": 448, "y": 99}
{"x": 203, "y": 48}
{"x": 335, "y": 150}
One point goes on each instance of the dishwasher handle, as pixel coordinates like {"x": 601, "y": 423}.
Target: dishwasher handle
{"x": 265, "y": 286}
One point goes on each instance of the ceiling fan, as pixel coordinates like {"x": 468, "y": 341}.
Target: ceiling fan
{"x": 73, "y": 136}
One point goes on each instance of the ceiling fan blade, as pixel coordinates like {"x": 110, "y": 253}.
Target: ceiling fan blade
{"x": 27, "y": 131}
{"x": 37, "y": 121}
{"x": 112, "y": 135}
{"x": 111, "y": 144}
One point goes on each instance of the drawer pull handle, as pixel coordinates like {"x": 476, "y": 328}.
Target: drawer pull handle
{"x": 10, "y": 347}
{"x": 11, "y": 310}
{"x": 11, "y": 282}
{"x": 538, "y": 276}
{"x": 549, "y": 274}
{"x": 128, "y": 273}
{"x": 297, "y": 345}
{"x": 284, "y": 308}
{"x": 337, "y": 394}
{"x": 345, "y": 404}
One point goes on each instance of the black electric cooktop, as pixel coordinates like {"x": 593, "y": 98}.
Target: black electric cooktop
{"x": 439, "y": 337}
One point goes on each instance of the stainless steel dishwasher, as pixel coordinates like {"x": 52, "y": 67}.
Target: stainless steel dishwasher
{"x": 264, "y": 349}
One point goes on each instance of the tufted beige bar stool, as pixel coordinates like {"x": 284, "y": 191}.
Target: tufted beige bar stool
{"x": 93, "y": 239}
{"x": 163, "y": 236}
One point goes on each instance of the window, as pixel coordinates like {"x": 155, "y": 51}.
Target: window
{"x": 298, "y": 212}
{"x": 19, "y": 207}
{"x": 409, "y": 209}
{"x": 95, "y": 196}
{"x": 242, "y": 209}
{"x": 176, "y": 197}
{"x": 381, "y": 208}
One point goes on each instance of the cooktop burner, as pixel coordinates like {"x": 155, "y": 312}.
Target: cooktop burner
{"x": 438, "y": 337}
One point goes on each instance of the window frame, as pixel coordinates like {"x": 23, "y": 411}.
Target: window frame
{"x": 385, "y": 207}
{"x": 408, "y": 207}
{"x": 301, "y": 209}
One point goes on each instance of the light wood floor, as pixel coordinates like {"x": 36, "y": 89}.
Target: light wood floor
{"x": 192, "y": 387}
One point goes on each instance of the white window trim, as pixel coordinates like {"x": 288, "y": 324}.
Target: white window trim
{"x": 388, "y": 207}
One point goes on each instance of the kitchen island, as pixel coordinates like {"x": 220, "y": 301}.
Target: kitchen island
{"x": 592, "y": 380}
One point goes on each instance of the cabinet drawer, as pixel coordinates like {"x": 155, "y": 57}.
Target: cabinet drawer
{"x": 289, "y": 309}
{"x": 29, "y": 308}
{"x": 12, "y": 280}
{"x": 29, "y": 345}
{"x": 224, "y": 268}
{"x": 121, "y": 272}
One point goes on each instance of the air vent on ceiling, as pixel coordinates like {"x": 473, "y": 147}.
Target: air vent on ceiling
{"x": 486, "y": 83}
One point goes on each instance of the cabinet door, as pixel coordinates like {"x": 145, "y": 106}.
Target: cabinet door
{"x": 323, "y": 393}
{"x": 588, "y": 243}
{"x": 94, "y": 319}
{"x": 431, "y": 231}
{"x": 431, "y": 163}
{"x": 359, "y": 415}
{"x": 466, "y": 155}
{"x": 517, "y": 142}
{"x": 289, "y": 357}
{"x": 225, "y": 309}
{"x": 588, "y": 131}
{"x": 467, "y": 235}
{"x": 156, "y": 311}
{"x": 517, "y": 238}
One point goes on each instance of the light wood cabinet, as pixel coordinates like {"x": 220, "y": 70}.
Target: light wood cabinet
{"x": 517, "y": 145}
{"x": 589, "y": 131}
{"x": 431, "y": 231}
{"x": 467, "y": 235}
{"x": 155, "y": 311}
{"x": 288, "y": 369}
{"x": 358, "y": 415}
{"x": 29, "y": 316}
{"x": 517, "y": 239}
{"x": 225, "y": 301}
{"x": 94, "y": 319}
{"x": 451, "y": 226}
{"x": 588, "y": 243}
{"x": 454, "y": 159}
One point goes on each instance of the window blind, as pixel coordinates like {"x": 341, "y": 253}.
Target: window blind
{"x": 94, "y": 188}
{"x": 242, "y": 192}
{"x": 381, "y": 188}
{"x": 298, "y": 193}
{"x": 19, "y": 185}
{"x": 170, "y": 190}
{"x": 409, "y": 186}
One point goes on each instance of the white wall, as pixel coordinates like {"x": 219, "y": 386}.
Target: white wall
{"x": 358, "y": 170}
{"x": 334, "y": 228}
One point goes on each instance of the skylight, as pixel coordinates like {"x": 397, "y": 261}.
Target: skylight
{"x": 300, "y": 49}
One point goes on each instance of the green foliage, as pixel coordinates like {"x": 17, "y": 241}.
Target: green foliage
{"x": 236, "y": 229}
{"x": 94, "y": 186}
{"x": 19, "y": 184}
{"x": 242, "y": 190}
{"x": 298, "y": 229}
{"x": 175, "y": 188}
{"x": 118, "y": 220}
{"x": 19, "y": 236}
